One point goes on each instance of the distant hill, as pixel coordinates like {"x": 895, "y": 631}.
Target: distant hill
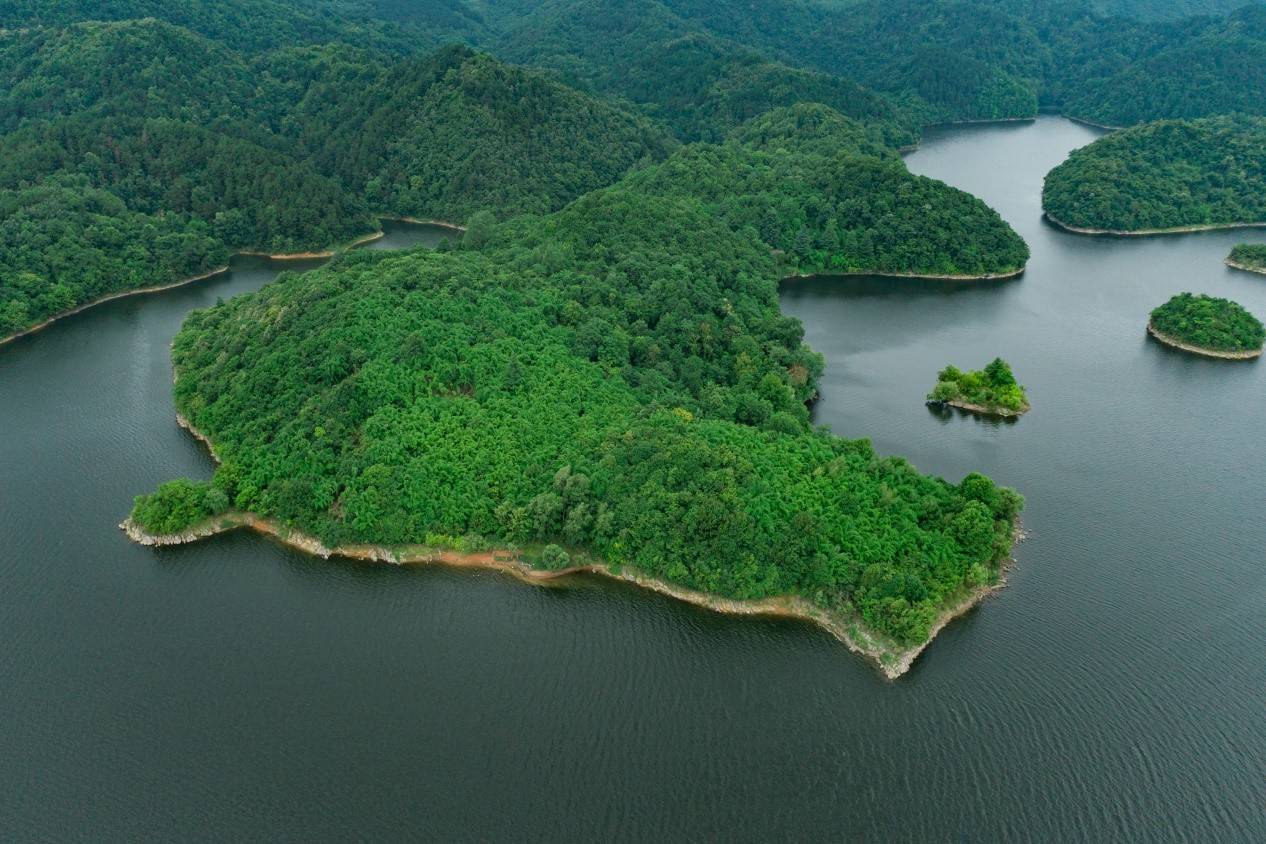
{"x": 700, "y": 84}
{"x": 451, "y": 133}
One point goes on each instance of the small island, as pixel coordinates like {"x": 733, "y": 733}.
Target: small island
{"x": 1208, "y": 326}
{"x": 1250, "y": 257}
{"x": 991, "y": 391}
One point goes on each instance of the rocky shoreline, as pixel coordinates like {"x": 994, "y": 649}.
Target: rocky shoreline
{"x": 984, "y": 410}
{"x": 891, "y": 659}
{"x": 1199, "y": 350}
{"x": 1209, "y": 227}
{"x": 926, "y": 276}
{"x": 101, "y": 300}
{"x": 1236, "y": 265}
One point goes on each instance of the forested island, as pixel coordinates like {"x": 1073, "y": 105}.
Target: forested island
{"x": 1173, "y": 175}
{"x": 1250, "y": 257}
{"x": 1209, "y": 326}
{"x": 992, "y": 391}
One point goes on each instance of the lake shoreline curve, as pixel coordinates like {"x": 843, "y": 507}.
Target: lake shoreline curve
{"x": 1206, "y": 227}
{"x": 1001, "y": 276}
{"x": 1236, "y": 265}
{"x": 278, "y": 256}
{"x": 1200, "y": 350}
{"x": 110, "y": 297}
{"x": 892, "y": 661}
{"x": 985, "y": 410}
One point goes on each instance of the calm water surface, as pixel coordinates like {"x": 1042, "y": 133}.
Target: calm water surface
{"x": 236, "y": 689}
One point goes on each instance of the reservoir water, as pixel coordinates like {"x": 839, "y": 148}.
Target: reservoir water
{"x": 238, "y": 689}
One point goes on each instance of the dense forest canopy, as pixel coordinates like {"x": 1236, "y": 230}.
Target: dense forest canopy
{"x": 209, "y": 152}
{"x": 701, "y": 85}
{"x": 455, "y": 132}
{"x": 1169, "y": 9}
{"x": 64, "y": 243}
{"x": 702, "y": 67}
{"x": 1168, "y": 174}
{"x": 251, "y": 197}
{"x": 294, "y": 148}
{"x": 257, "y": 25}
{"x": 1209, "y": 323}
{"x": 842, "y": 213}
{"x": 940, "y": 60}
{"x": 614, "y": 378}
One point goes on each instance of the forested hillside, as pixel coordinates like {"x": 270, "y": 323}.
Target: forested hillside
{"x": 615, "y": 377}
{"x": 1169, "y": 174}
{"x": 455, "y": 132}
{"x": 65, "y": 243}
{"x": 701, "y": 85}
{"x": 135, "y": 68}
{"x": 197, "y": 151}
{"x": 250, "y": 197}
{"x": 841, "y": 213}
{"x": 256, "y": 25}
{"x": 942, "y": 60}
{"x": 1169, "y": 9}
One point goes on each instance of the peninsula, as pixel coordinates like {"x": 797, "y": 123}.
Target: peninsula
{"x": 1166, "y": 177}
{"x": 614, "y": 379}
{"x": 1250, "y": 257}
{"x": 1209, "y": 326}
{"x": 550, "y": 565}
{"x": 991, "y": 391}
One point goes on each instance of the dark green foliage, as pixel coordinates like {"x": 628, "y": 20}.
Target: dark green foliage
{"x": 952, "y": 60}
{"x": 178, "y": 505}
{"x": 1251, "y": 255}
{"x": 614, "y": 377}
{"x": 64, "y": 244}
{"x": 1187, "y": 69}
{"x": 1168, "y": 9}
{"x": 250, "y": 197}
{"x": 452, "y": 133}
{"x": 256, "y": 25}
{"x": 993, "y": 387}
{"x": 134, "y": 68}
{"x": 1210, "y": 323}
{"x": 203, "y": 152}
{"x": 815, "y": 128}
{"x": 1167, "y": 174}
{"x": 842, "y": 213}
{"x": 700, "y": 85}
{"x": 941, "y": 60}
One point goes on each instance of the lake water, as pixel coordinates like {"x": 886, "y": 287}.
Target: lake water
{"x": 237, "y": 689}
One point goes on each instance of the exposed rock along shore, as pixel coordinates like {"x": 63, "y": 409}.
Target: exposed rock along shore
{"x": 1150, "y": 232}
{"x": 1236, "y": 265}
{"x": 1200, "y": 350}
{"x": 891, "y": 659}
